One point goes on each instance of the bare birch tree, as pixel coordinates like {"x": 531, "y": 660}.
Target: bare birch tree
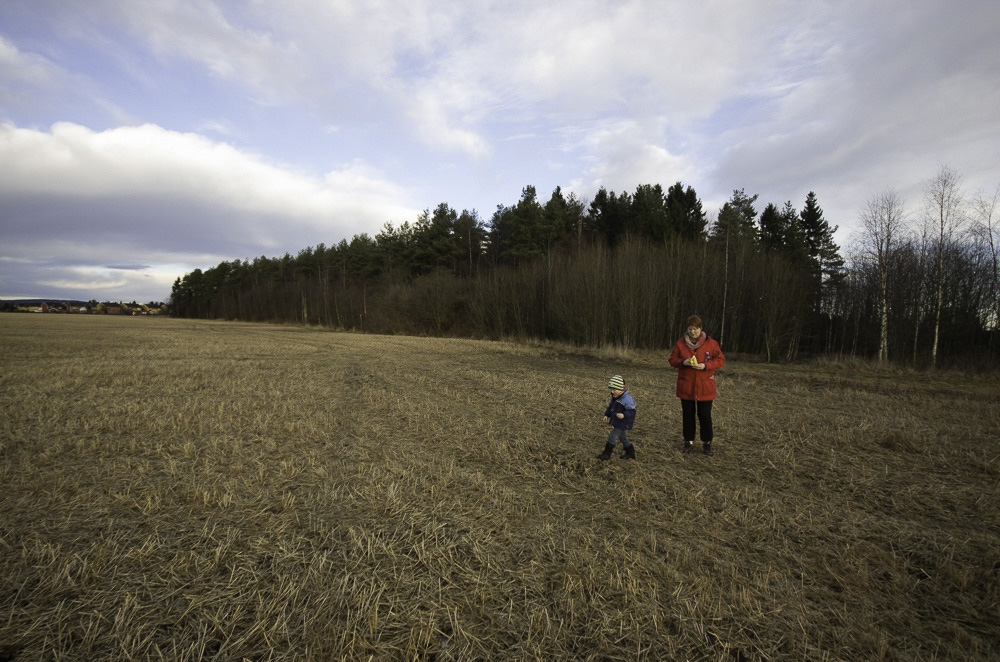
{"x": 943, "y": 203}
{"x": 921, "y": 246}
{"x": 984, "y": 208}
{"x": 881, "y": 222}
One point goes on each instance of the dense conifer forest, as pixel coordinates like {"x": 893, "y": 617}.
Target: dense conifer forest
{"x": 626, "y": 269}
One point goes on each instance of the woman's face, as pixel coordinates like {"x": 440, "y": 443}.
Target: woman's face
{"x": 694, "y": 332}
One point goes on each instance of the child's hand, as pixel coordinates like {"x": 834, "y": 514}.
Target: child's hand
{"x": 607, "y": 420}
{"x": 620, "y": 415}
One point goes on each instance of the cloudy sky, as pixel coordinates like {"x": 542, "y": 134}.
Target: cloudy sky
{"x": 142, "y": 139}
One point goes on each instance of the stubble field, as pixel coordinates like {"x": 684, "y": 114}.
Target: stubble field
{"x": 192, "y": 490}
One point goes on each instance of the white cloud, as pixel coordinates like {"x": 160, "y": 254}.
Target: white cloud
{"x": 434, "y": 111}
{"x": 219, "y": 127}
{"x": 148, "y": 160}
{"x": 451, "y": 67}
{"x": 85, "y": 279}
{"x": 872, "y": 111}
{"x": 18, "y": 67}
{"x": 199, "y": 30}
{"x": 624, "y": 154}
{"x": 73, "y": 200}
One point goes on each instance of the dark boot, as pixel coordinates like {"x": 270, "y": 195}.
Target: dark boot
{"x": 706, "y": 447}
{"x": 606, "y": 454}
{"x": 629, "y": 453}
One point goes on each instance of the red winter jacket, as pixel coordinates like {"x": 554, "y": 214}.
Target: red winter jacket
{"x": 692, "y": 383}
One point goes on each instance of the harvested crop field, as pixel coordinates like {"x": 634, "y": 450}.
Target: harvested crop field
{"x": 192, "y": 490}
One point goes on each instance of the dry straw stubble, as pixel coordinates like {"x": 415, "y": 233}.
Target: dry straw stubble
{"x": 190, "y": 490}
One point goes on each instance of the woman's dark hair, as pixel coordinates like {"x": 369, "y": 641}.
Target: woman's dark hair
{"x": 694, "y": 320}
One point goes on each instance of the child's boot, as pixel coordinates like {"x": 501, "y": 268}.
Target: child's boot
{"x": 606, "y": 454}
{"x": 629, "y": 453}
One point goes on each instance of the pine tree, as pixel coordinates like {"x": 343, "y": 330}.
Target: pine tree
{"x": 736, "y": 219}
{"x": 609, "y": 215}
{"x": 772, "y": 228}
{"x": 824, "y": 254}
{"x": 685, "y": 216}
{"x": 433, "y": 240}
{"x": 649, "y": 212}
{"x": 559, "y": 219}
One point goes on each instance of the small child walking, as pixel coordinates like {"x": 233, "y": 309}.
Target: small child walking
{"x": 621, "y": 415}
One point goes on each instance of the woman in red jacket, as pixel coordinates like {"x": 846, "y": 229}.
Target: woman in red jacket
{"x": 696, "y": 357}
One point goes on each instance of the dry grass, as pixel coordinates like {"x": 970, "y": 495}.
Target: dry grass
{"x": 187, "y": 490}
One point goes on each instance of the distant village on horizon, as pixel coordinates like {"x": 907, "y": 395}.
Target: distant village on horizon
{"x": 74, "y": 306}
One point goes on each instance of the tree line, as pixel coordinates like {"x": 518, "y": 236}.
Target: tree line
{"x": 625, "y": 269}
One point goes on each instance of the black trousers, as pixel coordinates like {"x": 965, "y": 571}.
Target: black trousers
{"x": 704, "y": 411}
